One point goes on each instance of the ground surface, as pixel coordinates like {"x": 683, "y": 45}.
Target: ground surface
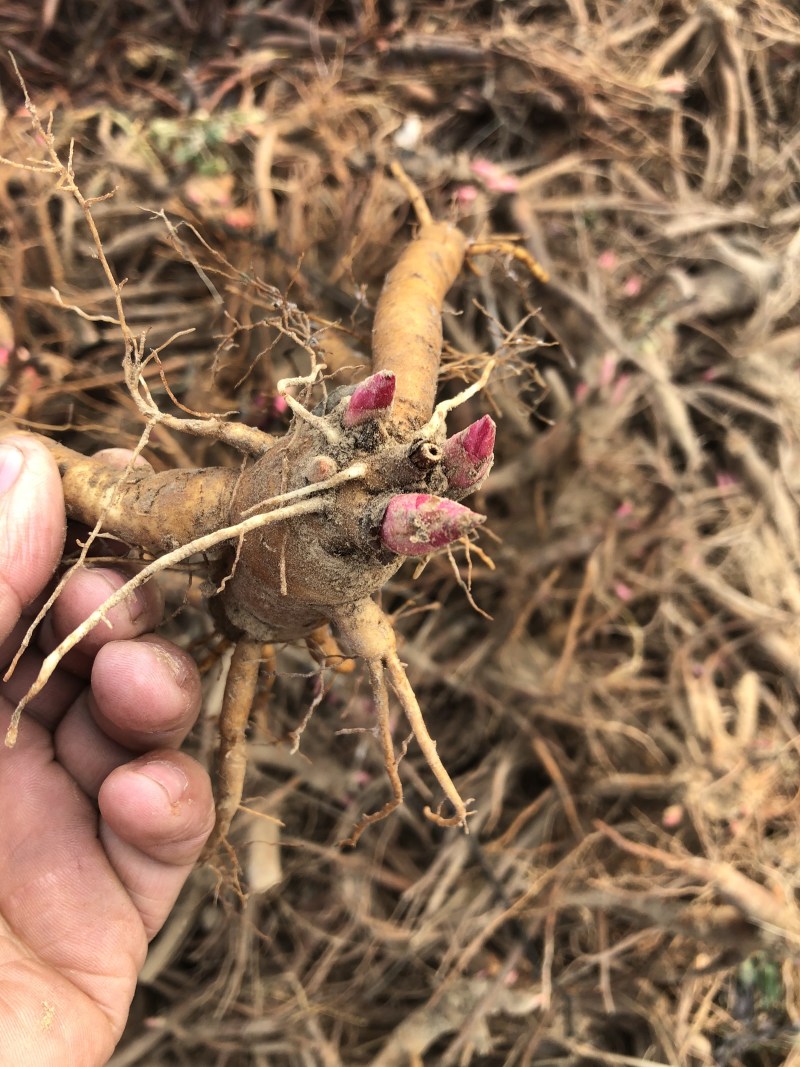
{"x": 627, "y": 720}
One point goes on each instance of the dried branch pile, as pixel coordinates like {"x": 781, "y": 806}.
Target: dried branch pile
{"x": 628, "y": 719}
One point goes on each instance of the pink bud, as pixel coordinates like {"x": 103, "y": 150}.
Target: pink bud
{"x": 371, "y": 399}
{"x": 633, "y": 286}
{"x": 466, "y": 194}
{"x": 468, "y": 455}
{"x": 494, "y": 177}
{"x": 321, "y": 468}
{"x": 415, "y": 524}
{"x": 623, "y": 591}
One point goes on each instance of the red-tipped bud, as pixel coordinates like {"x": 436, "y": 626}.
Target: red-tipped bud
{"x": 415, "y": 524}
{"x": 372, "y": 398}
{"x": 468, "y": 455}
{"x": 320, "y": 468}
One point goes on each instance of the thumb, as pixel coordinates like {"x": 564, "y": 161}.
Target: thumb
{"x": 32, "y": 524}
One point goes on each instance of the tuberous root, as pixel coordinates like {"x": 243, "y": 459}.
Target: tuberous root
{"x": 468, "y": 455}
{"x": 231, "y": 764}
{"x": 325, "y": 649}
{"x": 415, "y": 524}
{"x": 372, "y": 399}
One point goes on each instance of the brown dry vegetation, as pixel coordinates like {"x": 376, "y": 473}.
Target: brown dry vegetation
{"x": 628, "y": 719}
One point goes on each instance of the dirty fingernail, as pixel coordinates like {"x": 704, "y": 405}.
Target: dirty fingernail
{"x": 169, "y": 777}
{"x": 135, "y": 602}
{"x": 174, "y": 662}
{"x": 11, "y": 460}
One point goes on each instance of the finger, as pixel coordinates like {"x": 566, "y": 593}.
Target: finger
{"x": 32, "y": 524}
{"x": 144, "y": 694}
{"x": 121, "y": 457}
{"x": 156, "y": 815}
{"x": 49, "y": 705}
{"x": 60, "y": 899}
{"x": 85, "y": 591}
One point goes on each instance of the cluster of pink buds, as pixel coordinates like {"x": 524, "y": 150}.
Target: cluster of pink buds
{"x": 415, "y": 524}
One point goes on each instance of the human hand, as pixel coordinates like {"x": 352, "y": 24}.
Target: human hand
{"x": 102, "y": 817}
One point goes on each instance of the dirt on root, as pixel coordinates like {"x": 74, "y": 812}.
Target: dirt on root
{"x": 627, "y": 718}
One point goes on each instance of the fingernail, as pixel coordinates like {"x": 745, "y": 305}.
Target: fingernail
{"x": 169, "y": 777}
{"x": 11, "y": 460}
{"x": 176, "y": 664}
{"x": 135, "y": 602}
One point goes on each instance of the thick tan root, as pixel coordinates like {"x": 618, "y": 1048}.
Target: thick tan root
{"x": 231, "y": 763}
{"x": 324, "y": 648}
{"x": 407, "y": 334}
{"x": 157, "y": 512}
